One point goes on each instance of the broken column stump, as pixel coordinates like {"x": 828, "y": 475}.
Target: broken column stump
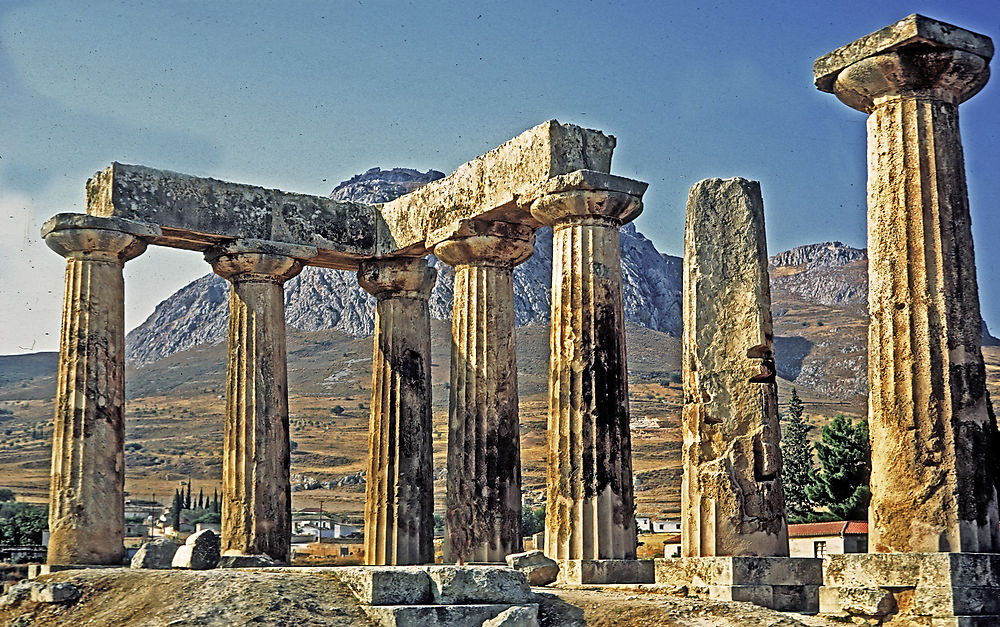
{"x": 734, "y": 533}
{"x": 399, "y": 492}
{"x": 86, "y": 499}
{"x": 934, "y": 442}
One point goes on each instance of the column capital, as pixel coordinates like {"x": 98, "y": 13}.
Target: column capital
{"x": 397, "y": 277}
{"x": 487, "y": 243}
{"x": 251, "y": 260}
{"x": 916, "y": 57}
{"x": 81, "y": 236}
{"x": 584, "y": 196}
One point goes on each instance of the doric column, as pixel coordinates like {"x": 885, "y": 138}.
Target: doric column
{"x": 589, "y": 504}
{"x": 399, "y": 499}
{"x": 732, "y": 502}
{"x": 483, "y": 522}
{"x": 933, "y": 436}
{"x": 86, "y": 499}
{"x": 256, "y": 504}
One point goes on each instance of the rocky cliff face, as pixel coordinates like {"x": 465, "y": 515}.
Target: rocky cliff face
{"x": 321, "y": 298}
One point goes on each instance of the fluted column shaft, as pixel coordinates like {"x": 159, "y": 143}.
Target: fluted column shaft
{"x": 399, "y": 498}
{"x": 933, "y": 435}
{"x": 256, "y": 504}
{"x": 483, "y": 522}
{"x": 590, "y": 512}
{"x": 86, "y": 498}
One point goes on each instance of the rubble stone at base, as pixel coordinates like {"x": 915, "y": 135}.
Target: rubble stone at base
{"x": 540, "y": 570}
{"x": 578, "y": 572}
{"x": 157, "y": 554}
{"x": 913, "y": 588}
{"x": 788, "y": 584}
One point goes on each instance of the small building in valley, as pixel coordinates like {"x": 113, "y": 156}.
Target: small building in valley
{"x": 827, "y": 538}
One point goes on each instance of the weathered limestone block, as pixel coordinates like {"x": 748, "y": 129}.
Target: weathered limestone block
{"x": 933, "y": 434}
{"x": 478, "y": 584}
{"x": 399, "y": 499}
{"x": 483, "y": 521}
{"x": 539, "y": 570}
{"x": 606, "y": 571}
{"x": 515, "y": 616}
{"x": 256, "y": 504}
{"x": 487, "y": 186}
{"x": 590, "y": 513}
{"x": 247, "y": 561}
{"x": 731, "y": 497}
{"x": 156, "y": 554}
{"x": 86, "y": 499}
{"x": 450, "y": 615}
{"x": 924, "y": 588}
{"x": 199, "y": 552}
{"x": 399, "y": 585}
{"x": 197, "y": 213}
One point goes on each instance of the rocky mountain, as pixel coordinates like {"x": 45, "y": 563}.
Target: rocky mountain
{"x": 320, "y": 298}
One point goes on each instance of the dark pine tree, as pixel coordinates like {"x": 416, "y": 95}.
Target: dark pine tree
{"x": 215, "y": 502}
{"x": 201, "y": 498}
{"x": 841, "y": 484}
{"x": 187, "y": 499}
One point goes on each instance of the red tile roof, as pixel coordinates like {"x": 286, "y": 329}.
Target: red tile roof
{"x": 832, "y": 528}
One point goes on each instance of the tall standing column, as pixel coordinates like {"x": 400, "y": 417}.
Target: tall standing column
{"x": 483, "y": 523}
{"x": 257, "y": 504}
{"x": 399, "y": 499}
{"x": 589, "y": 509}
{"x": 86, "y": 498}
{"x": 933, "y": 436}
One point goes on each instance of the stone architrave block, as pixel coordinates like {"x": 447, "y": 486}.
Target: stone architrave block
{"x": 579, "y": 572}
{"x": 382, "y": 585}
{"x": 200, "y": 552}
{"x": 539, "y": 570}
{"x": 478, "y": 584}
{"x": 156, "y": 554}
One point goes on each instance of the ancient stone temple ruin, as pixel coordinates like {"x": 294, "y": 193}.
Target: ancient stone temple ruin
{"x": 934, "y": 525}
{"x": 481, "y": 220}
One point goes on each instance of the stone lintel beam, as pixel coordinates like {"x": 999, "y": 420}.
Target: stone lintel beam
{"x": 483, "y": 520}
{"x": 916, "y": 54}
{"x": 198, "y": 213}
{"x": 486, "y": 186}
{"x": 86, "y": 498}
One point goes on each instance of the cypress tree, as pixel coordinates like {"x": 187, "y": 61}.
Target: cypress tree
{"x": 797, "y": 462}
{"x": 175, "y": 511}
{"x": 187, "y": 499}
{"x": 841, "y": 484}
{"x": 201, "y": 498}
{"x": 215, "y": 502}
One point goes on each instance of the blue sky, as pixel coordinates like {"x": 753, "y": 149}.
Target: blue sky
{"x": 302, "y": 95}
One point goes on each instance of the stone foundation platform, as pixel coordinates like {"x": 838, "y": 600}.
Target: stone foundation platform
{"x": 935, "y": 589}
{"x": 428, "y": 596}
{"x": 787, "y": 584}
{"x": 580, "y": 572}
{"x": 35, "y": 570}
